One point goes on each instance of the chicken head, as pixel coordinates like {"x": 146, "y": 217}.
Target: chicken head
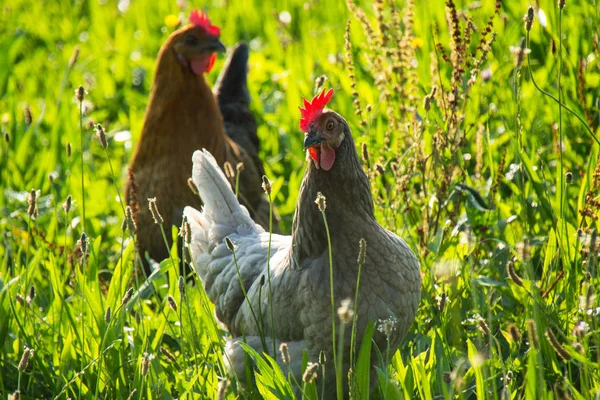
{"x": 196, "y": 44}
{"x": 324, "y": 130}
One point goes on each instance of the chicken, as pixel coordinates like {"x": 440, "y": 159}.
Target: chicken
{"x": 182, "y": 116}
{"x": 300, "y": 286}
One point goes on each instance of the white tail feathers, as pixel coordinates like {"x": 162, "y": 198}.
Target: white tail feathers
{"x": 221, "y": 214}
{"x": 213, "y": 187}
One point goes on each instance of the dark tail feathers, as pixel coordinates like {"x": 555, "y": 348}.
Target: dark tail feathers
{"x": 232, "y": 86}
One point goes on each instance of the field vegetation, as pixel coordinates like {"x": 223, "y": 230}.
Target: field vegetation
{"x": 477, "y": 126}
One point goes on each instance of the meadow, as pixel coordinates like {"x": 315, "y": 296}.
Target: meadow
{"x": 478, "y": 128}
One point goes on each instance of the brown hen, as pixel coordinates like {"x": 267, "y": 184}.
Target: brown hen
{"x": 183, "y": 116}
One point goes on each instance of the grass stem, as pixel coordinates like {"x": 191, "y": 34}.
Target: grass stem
{"x": 338, "y": 371}
{"x": 269, "y": 273}
{"x": 256, "y": 321}
{"x": 82, "y": 165}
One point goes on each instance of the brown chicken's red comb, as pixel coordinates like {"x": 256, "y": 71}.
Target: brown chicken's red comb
{"x": 200, "y": 19}
{"x": 313, "y": 109}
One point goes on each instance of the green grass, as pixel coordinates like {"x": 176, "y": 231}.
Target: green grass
{"x": 480, "y": 187}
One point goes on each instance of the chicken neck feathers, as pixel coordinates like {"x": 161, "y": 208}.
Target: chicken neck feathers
{"x": 180, "y": 103}
{"x": 348, "y": 201}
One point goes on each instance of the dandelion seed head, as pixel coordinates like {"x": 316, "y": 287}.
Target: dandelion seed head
{"x": 170, "y": 356}
{"x": 319, "y": 82}
{"x": 83, "y": 243}
{"x": 266, "y": 185}
{"x": 514, "y": 333}
{"x": 130, "y": 222}
{"x": 74, "y": 57}
{"x": 228, "y": 170}
{"x": 146, "y": 360}
{"x": 27, "y": 115}
{"x": 362, "y": 251}
{"x": 31, "y": 295}
{"x": 345, "y": 311}
{"x": 101, "y": 136}
{"x": 365, "y": 152}
{"x": 154, "y": 211}
{"x": 483, "y": 327}
{"x": 558, "y": 348}
{"x": 181, "y": 285}
{"x": 532, "y": 330}
{"x": 569, "y": 177}
{"x": 27, "y": 355}
{"x": 322, "y": 357}
{"x": 80, "y": 93}
{"x": 285, "y": 354}
{"x": 172, "y": 303}
{"x": 127, "y": 296}
{"x": 321, "y": 201}
{"x": 32, "y": 203}
{"x": 310, "y": 373}
{"x": 387, "y": 326}
{"x": 510, "y": 270}
{"x": 230, "y": 245}
{"x": 528, "y": 18}
{"x": 285, "y": 17}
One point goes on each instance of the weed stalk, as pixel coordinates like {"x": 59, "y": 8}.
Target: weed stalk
{"x": 267, "y": 188}
{"x": 338, "y": 371}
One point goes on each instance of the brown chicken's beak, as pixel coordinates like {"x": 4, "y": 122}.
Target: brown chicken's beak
{"x": 311, "y": 139}
{"x": 214, "y": 45}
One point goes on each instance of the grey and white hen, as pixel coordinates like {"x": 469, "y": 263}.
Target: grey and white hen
{"x": 390, "y": 280}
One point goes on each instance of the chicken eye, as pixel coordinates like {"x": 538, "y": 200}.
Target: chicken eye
{"x": 330, "y": 125}
{"x": 190, "y": 40}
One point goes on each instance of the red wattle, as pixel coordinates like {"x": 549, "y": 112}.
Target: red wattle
{"x": 211, "y": 62}
{"x": 314, "y": 153}
{"x": 204, "y": 64}
{"x": 327, "y": 157}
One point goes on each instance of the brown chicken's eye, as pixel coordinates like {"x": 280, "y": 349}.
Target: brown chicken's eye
{"x": 190, "y": 40}
{"x": 329, "y": 125}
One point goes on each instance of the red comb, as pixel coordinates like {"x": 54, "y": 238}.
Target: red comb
{"x": 313, "y": 109}
{"x": 200, "y": 19}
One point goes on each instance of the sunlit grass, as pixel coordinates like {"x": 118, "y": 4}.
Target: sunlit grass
{"x": 492, "y": 178}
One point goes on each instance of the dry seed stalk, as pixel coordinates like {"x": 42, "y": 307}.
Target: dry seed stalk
{"x": 170, "y": 356}
{"x": 27, "y": 355}
{"x": 285, "y": 354}
{"x": 510, "y": 270}
{"x": 532, "y": 330}
{"x": 158, "y": 219}
{"x": 172, "y": 303}
{"x": 514, "y": 333}
{"x": 558, "y": 348}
